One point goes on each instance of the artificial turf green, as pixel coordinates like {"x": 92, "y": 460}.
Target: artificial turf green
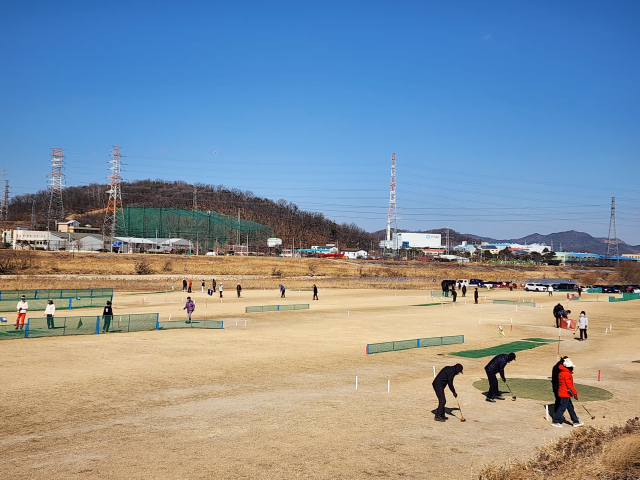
{"x": 540, "y": 389}
{"x": 428, "y": 304}
{"x": 541, "y": 340}
{"x": 498, "y": 349}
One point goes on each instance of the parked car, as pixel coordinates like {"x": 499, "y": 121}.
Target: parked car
{"x": 476, "y": 282}
{"x": 608, "y": 289}
{"x": 535, "y": 287}
{"x": 461, "y": 283}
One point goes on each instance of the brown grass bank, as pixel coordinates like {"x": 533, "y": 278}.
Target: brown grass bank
{"x": 588, "y": 452}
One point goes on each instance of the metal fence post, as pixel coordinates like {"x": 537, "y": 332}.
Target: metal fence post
{"x": 278, "y": 307}
{"x": 26, "y": 329}
{"x": 97, "y": 324}
{"x": 418, "y": 343}
{"x": 462, "y": 338}
{"x": 70, "y": 303}
{"x": 36, "y": 295}
{"x": 129, "y": 324}
{"x": 92, "y": 292}
{"x": 61, "y": 293}
{"x": 157, "y": 321}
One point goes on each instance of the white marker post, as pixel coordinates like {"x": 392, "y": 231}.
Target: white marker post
{"x": 245, "y": 324}
{"x": 479, "y": 321}
{"x": 434, "y": 371}
{"x": 348, "y": 313}
{"x": 356, "y": 383}
{"x": 546, "y": 407}
{"x": 388, "y": 386}
{"x": 609, "y": 327}
{"x": 169, "y": 317}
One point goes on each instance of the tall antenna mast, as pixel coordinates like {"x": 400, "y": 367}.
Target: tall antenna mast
{"x": 114, "y": 215}
{"x": 4, "y": 201}
{"x": 56, "y": 183}
{"x": 613, "y": 237}
{"x": 392, "y": 215}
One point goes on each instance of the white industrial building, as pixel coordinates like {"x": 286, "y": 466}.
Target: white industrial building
{"x": 414, "y": 240}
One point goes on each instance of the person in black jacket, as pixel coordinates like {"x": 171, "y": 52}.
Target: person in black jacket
{"x": 107, "y": 315}
{"x": 454, "y": 293}
{"x": 464, "y": 290}
{"x": 239, "y": 289}
{"x": 475, "y": 296}
{"x": 213, "y": 285}
{"x": 495, "y": 366}
{"x": 556, "y": 314}
{"x": 444, "y": 378}
{"x": 555, "y": 383}
{"x": 315, "y": 292}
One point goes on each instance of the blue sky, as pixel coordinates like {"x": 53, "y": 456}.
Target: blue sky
{"x": 507, "y": 118}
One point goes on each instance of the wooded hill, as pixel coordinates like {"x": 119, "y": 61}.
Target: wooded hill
{"x": 87, "y": 205}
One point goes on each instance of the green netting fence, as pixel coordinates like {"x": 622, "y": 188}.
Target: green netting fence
{"x": 40, "y": 304}
{"x": 415, "y": 343}
{"x": 91, "y": 324}
{"x": 175, "y": 324}
{"x": 625, "y": 297}
{"x": 276, "y": 308}
{"x": 46, "y": 293}
{"x": 208, "y": 229}
{"x": 514, "y": 302}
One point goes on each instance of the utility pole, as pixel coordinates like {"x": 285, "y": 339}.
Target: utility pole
{"x": 392, "y": 214}
{"x": 33, "y": 214}
{"x": 612, "y": 240}
{"x": 238, "y": 230}
{"x": 447, "y": 239}
{"x": 56, "y": 184}
{"x": 114, "y": 216}
{"x": 195, "y": 221}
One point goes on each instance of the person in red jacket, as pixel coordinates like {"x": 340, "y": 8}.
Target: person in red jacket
{"x": 566, "y": 390}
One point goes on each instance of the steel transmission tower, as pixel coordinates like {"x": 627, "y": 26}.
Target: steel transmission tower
{"x": 4, "y": 201}
{"x": 613, "y": 236}
{"x": 392, "y": 215}
{"x": 57, "y": 183}
{"x": 114, "y": 215}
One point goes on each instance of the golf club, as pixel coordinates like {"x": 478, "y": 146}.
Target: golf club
{"x": 585, "y": 409}
{"x": 462, "y": 419}
{"x": 513, "y": 397}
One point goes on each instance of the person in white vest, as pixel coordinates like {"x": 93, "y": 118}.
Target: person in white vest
{"x": 50, "y": 311}
{"x": 22, "y": 307}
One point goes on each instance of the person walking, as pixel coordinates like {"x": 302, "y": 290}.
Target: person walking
{"x": 495, "y": 366}
{"x": 189, "y": 307}
{"x": 566, "y": 390}
{"x": 583, "y": 323}
{"x": 220, "y": 290}
{"x": 445, "y": 378}
{"x": 550, "y": 290}
{"x": 22, "y": 307}
{"x": 454, "y": 294}
{"x": 213, "y": 284}
{"x": 50, "y": 311}
{"x": 282, "y": 291}
{"x": 475, "y": 296}
{"x": 189, "y": 289}
{"x": 107, "y": 316}
{"x": 555, "y": 383}
{"x": 315, "y": 292}
{"x": 184, "y": 284}
{"x": 464, "y": 291}
{"x": 203, "y": 285}
{"x": 238, "y": 289}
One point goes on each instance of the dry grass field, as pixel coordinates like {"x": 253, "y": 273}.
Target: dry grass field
{"x": 89, "y": 270}
{"x": 277, "y": 400}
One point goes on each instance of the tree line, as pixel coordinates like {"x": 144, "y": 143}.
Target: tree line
{"x": 87, "y": 205}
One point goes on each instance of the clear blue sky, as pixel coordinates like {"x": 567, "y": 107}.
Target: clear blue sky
{"x": 507, "y": 118}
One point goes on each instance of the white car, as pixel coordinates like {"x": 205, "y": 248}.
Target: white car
{"x": 535, "y": 287}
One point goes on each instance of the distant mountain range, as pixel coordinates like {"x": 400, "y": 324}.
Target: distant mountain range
{"x": 569, "y": 241}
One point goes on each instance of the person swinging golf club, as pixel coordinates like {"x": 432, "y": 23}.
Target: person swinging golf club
{"x": 566, "y": 390}
{"x": 444, "y": 378}
{"x": 495, "y": 366}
